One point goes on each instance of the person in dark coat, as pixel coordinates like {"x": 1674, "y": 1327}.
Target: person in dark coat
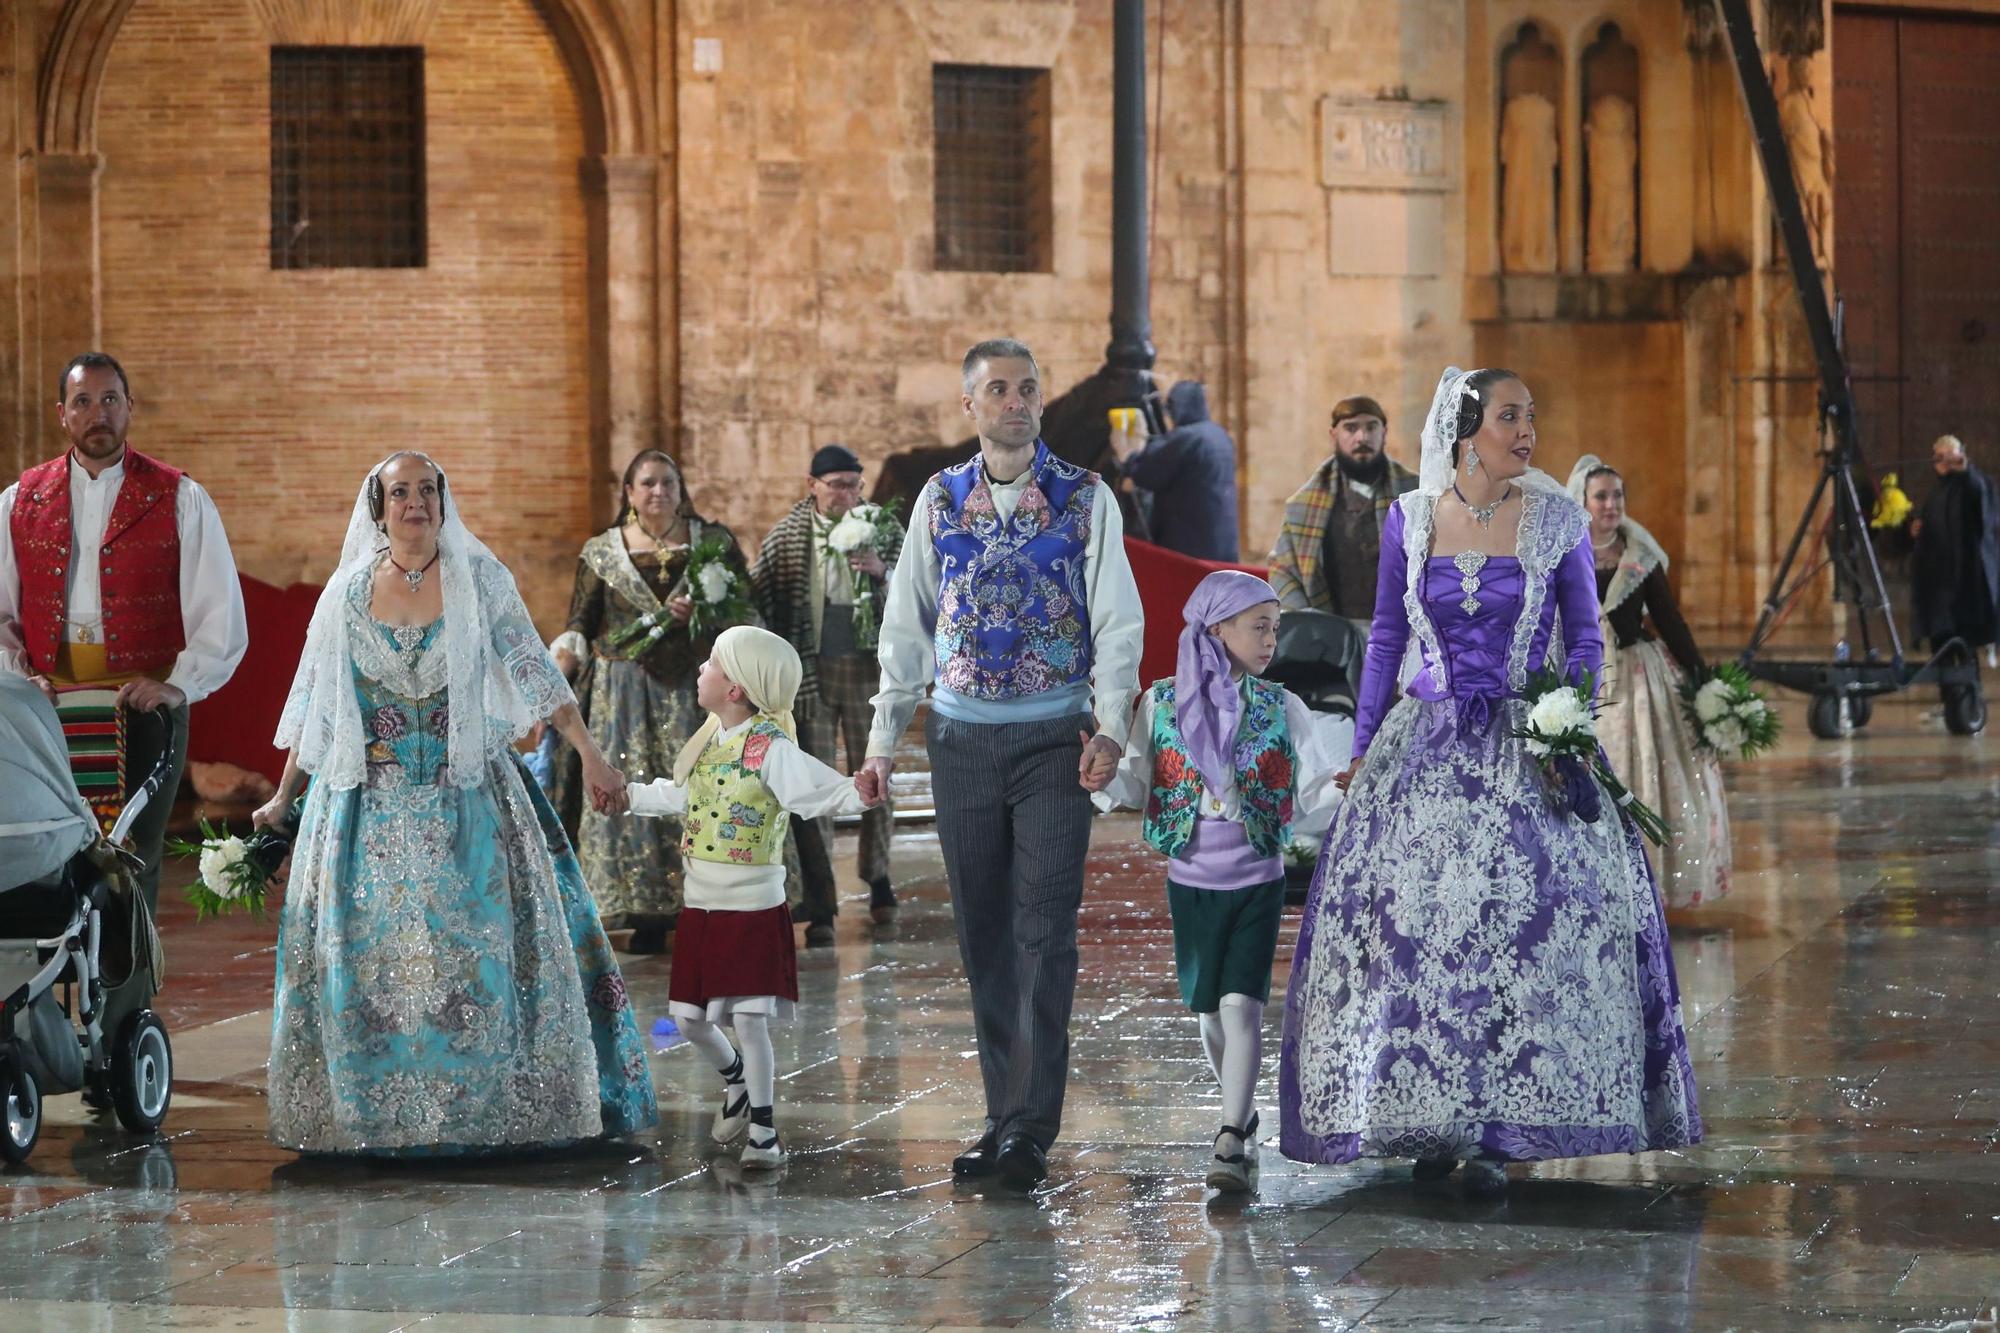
{"x": 1955, "y": 569}
{"x": 1191, "y": 472}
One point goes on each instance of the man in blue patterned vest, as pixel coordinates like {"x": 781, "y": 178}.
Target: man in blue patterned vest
{"x": 1013, "y": 601}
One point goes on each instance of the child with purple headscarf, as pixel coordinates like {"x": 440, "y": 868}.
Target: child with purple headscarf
{"x": 1228, "y": 768}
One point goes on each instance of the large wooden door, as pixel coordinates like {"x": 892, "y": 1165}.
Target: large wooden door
{"x": 1917, "y": 230}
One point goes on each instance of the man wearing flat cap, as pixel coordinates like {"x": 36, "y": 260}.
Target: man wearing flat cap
{"x": 809, "y": 593}
{"x": 1332, "y": 535}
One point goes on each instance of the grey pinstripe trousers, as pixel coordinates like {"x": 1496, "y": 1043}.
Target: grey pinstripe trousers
{"x": 1015, "y": 827}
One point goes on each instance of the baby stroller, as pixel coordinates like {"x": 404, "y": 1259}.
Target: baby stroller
{"x": 1319, "y": 659}
{"x": 79, "y": 962}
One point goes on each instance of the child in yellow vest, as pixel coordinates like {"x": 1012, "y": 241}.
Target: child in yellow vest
{"x": 1228, "y": 769}
{"x": 734, "y": 958}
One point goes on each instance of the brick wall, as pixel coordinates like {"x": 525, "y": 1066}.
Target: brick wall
{"x": 810, "y": 310}
{"x": 279, "y": 389}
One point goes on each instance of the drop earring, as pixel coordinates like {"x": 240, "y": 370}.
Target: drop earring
{"x": 1471, "y": 462}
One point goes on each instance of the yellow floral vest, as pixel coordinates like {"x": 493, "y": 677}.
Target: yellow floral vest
{"x": 732, "y": 816}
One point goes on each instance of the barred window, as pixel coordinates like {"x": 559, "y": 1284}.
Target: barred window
{"x": 993, "y": 168}
{"x": 347, "y": 157}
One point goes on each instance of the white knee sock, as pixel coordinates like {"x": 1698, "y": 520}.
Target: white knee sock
{"x": 760, "y": 1062}
{"x": 1242, "y": 1021}
{"x": 1211, "y": 1042}
{"x": 707, "y": 1038}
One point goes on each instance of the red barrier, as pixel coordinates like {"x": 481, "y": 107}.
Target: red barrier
{"x": 1166, "y": 580}
{"x": 235, "y": 724}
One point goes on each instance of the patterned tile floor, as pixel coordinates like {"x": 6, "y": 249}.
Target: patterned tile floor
{"x": 1844, "y": 1004}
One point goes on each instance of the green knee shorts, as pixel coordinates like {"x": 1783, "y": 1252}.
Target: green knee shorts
{"x": 1224, "y": 940}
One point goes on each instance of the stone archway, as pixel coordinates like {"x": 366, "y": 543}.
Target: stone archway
{"x": 620, "y": 174}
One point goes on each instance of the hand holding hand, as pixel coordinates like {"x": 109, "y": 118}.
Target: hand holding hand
{"x": 681, "y": 608}
{"x": 146, "y": 694}
{"x": 1098, "y": 763}
{"x": 607, "y": 787}
{"x": 872, "y": 780}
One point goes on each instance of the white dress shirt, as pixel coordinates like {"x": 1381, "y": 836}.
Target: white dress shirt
{"x": 908, "y": 651}
{"x": 212, "y": 618}
{"x": 804, "y": 787}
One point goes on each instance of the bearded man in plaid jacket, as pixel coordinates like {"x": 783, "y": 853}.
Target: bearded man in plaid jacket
{"x": 808, "y": 594}
{"x": 1332, "y": 535}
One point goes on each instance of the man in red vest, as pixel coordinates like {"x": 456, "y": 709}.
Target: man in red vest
{"x": 116, "y": 573}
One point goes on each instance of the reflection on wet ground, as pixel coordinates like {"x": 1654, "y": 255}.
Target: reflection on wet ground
{"x": 1844, "y": 1003}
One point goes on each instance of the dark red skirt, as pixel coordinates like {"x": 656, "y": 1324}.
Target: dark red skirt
{"x": 722, "y": 954}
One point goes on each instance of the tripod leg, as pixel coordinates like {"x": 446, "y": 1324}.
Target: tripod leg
{"x": 1774, "y": 602}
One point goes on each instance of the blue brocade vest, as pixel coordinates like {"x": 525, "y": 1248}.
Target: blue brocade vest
{"x": 1266, "y": 768}
{"x": 1013, "y": 616}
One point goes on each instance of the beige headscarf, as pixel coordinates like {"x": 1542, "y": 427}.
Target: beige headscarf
{"x": 766, "y": 668}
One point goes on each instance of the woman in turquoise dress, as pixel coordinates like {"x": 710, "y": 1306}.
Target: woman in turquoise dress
{"x": 443, "y": 984}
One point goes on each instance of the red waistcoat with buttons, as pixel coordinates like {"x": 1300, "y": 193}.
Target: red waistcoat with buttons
{"x": 139, "y": 565}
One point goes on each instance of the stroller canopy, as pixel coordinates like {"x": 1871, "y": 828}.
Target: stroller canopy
{"x": 43, "y": 820}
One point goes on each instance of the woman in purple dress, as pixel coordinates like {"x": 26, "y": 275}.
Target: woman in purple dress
{"x": 1481, "y": 974}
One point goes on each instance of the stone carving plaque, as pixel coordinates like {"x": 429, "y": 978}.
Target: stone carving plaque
{"x": 1378, "y": 144}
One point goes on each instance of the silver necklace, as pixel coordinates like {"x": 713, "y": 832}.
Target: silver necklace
{"x": 415, "y": 577}
{"x": 1482, "y": 514}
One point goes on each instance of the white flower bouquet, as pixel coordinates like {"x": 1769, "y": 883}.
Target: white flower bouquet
{"x": 235, "y": 872}
{"x": 720, "y": 594}
{"x": 1561, "y": 731}
{"x": 1728, "y": 717}
{"x": 866, "y": 527}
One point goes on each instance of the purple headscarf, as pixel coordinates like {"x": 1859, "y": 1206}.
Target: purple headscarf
{"x": 1208, "y": 705}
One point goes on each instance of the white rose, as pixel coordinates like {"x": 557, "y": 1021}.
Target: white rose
{"x": 214, "y": 867}
{"x": 1752, "y": 710}
{"x": 852, "y": 533}
{"x": 1727, "y": 735}
{"x": 1712, "y": 700}
{"x": 715, "y": 583}
{"x": 219, "y": 861}
{"x": 1559, "y": 712}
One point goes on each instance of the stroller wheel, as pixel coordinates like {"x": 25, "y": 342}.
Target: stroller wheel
{"x": 142, "y": 1072}
{"x": 21, "y": 1102}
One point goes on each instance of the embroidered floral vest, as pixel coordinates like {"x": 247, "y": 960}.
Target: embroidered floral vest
{"x": 139, "y": 565}
{"x": 1013, "y": 614}
{"x": 732, "y": 816}
{"x": 1266, "y": 768}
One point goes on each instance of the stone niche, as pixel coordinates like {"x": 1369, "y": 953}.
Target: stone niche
{"x": 1386, "y": 167}
{"x": 1530, "y": 150}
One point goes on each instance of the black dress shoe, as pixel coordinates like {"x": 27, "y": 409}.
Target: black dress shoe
{"x": 881, "y": 902}
{"x": 1023, "y": 1164}
{"x": 981, "y": 1159}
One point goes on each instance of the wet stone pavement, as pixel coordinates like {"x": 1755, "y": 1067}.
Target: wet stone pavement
{"x": 1844, "y": 1006}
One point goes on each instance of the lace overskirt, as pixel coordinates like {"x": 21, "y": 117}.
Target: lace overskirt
{"x": 1647, "y": 741}
{"x": 1479, "y": 973}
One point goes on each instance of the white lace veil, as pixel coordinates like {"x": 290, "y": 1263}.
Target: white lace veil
{"x": 1643, "y": 551}
{"x": 1434, "y": 466}
{"x": 501, "y": 678}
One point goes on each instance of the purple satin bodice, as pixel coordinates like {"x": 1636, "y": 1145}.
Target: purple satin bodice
{"x": 1476, "y": 646}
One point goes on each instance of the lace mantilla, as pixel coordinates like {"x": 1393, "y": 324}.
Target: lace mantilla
{"x": 1419, "y": 527}
{"x": 500, "y": 675}
{"x": 1551, "y": 526}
